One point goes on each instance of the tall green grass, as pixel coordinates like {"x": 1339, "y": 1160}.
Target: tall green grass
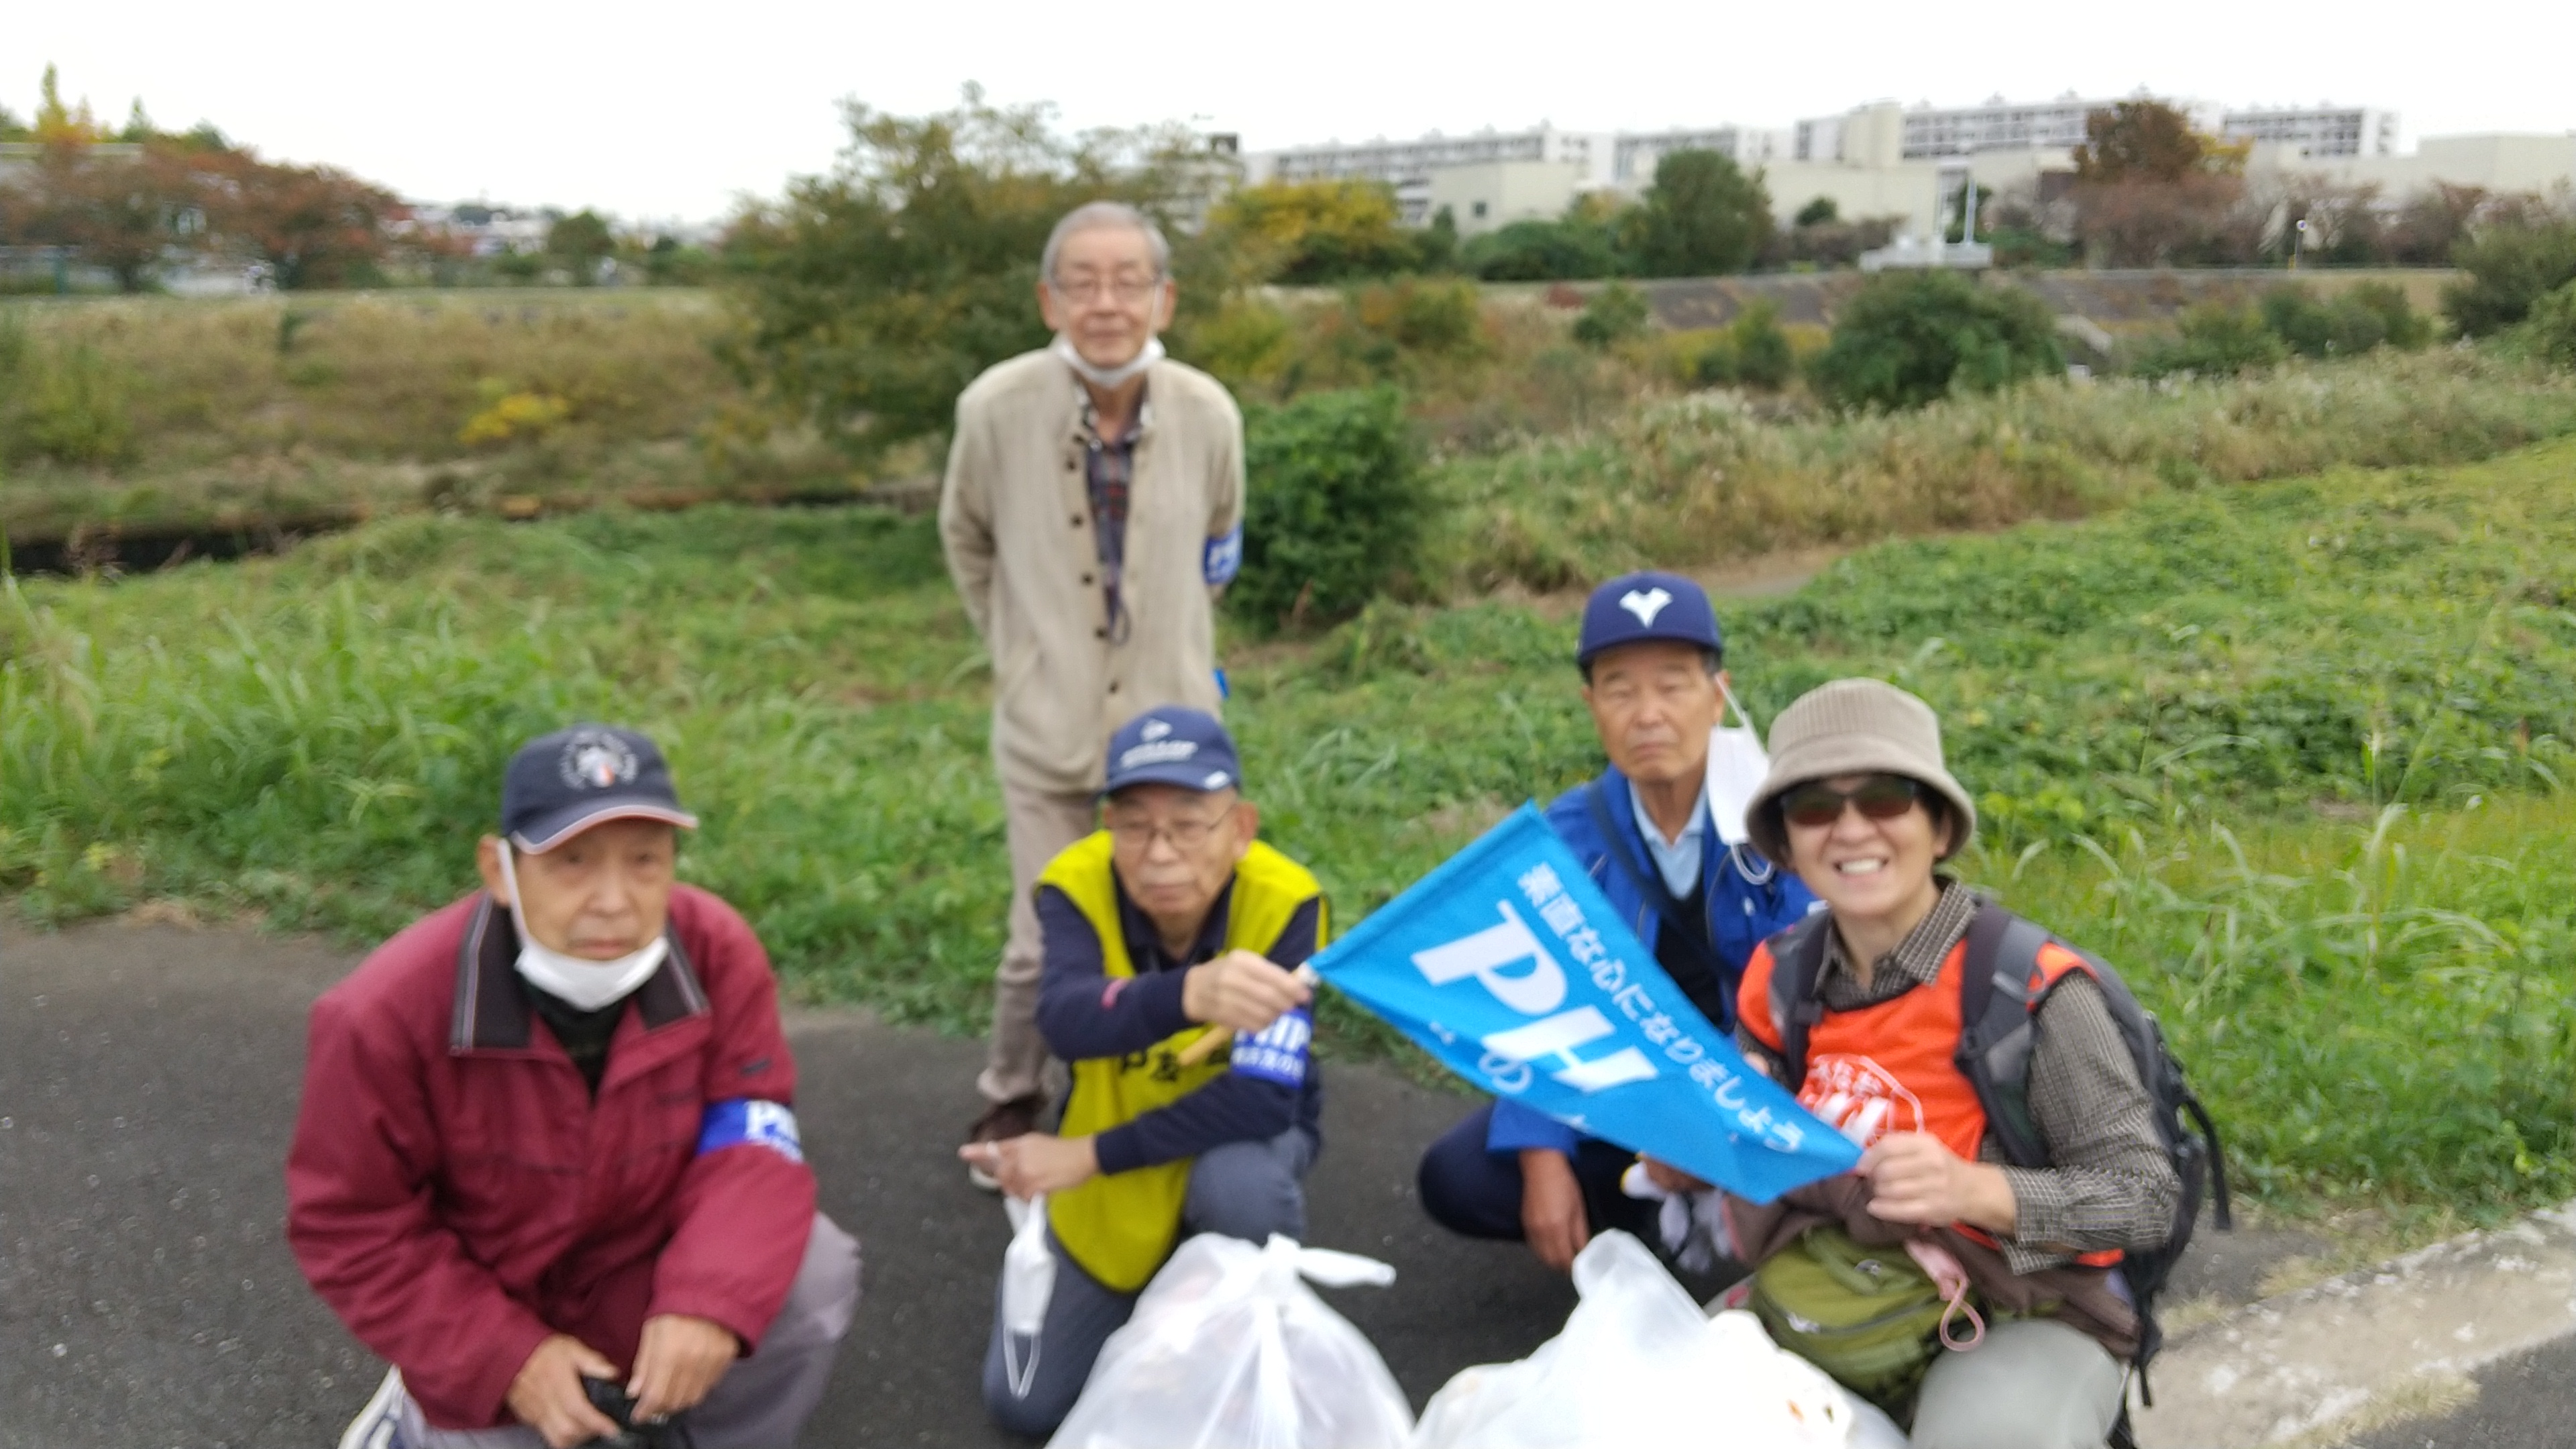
{"x": 2264, "y": 671}
{"x": 1712, "y": 476}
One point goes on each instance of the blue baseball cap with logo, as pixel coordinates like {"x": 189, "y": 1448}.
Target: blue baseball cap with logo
{"x": 1634, "y": 608}
{"x": 1171, "y": 745}
{"x": 561, "y": 784}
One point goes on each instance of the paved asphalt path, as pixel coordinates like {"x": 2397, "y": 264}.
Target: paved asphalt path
{"x": 148, "y": 1080}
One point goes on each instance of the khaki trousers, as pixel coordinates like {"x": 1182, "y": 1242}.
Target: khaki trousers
{"x": 1041, "y": 824}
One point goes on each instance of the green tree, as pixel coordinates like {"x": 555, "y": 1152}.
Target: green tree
{"x": 2511, "y": 263}
{"x": 1818, "y": 212}
{"x": 1912, "y": 336}
{"x": 874, "y": 294}
{"x": 582, "y": 241}
{"x": 1702, "y": 216}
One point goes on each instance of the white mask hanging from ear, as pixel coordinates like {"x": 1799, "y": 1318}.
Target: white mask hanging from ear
{"x": 577, "y": 981}
{"x": 1109, "y": 377}
{"x": 1736, "y": 765}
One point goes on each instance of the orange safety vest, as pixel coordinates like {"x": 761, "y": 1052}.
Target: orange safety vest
{"x": 1894, "y": 1066}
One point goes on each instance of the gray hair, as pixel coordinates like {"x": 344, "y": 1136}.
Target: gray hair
{"x": 1100, "y": 215}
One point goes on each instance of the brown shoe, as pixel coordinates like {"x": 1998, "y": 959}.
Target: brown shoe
{"x": 1001, "y": 1122}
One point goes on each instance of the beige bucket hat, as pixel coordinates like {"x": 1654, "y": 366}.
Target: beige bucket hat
{"x": 1854, "y": 727}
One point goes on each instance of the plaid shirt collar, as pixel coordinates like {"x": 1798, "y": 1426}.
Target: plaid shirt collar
{"x": 1916, "y": 960}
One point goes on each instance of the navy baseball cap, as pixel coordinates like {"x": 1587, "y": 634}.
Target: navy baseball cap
{"x": 1636, "y": 607}
{"x": 564, "y": 783}
{"x": 1172, "y": 746}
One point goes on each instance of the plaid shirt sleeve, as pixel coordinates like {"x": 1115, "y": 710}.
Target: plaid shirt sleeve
{"x": 2112, "y": 1185}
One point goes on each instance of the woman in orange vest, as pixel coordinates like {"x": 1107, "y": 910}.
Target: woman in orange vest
{"x": 1873, "y": 1272}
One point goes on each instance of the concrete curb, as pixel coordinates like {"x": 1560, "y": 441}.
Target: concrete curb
{"x": 2370, "y": 1347}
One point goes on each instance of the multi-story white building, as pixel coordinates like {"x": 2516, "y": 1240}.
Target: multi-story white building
{"x": 2317, "y": 131}
{"x": 1407, "y": 165}
{"x": 1635, "y": 154}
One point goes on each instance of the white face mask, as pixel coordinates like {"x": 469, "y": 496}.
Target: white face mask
{"x": 578, "y": 981}
{"x": 1109, "y": 377}
{"x": 1737, "y": 764}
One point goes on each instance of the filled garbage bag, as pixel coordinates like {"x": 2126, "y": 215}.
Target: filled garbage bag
{"x": 1229, "y": 1349}
{"x": 1640, "y": 1364}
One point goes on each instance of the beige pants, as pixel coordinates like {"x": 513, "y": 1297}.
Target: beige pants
{"x": 1040, "y": 824}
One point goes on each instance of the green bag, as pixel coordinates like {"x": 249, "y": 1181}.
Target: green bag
{"x": 1867, "y": 1316}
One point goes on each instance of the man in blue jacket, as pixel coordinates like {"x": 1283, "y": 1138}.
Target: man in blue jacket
{"x": 1654, "y": 677}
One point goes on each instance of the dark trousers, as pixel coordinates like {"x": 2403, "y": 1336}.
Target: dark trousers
{"x": 1472, "y": 1191}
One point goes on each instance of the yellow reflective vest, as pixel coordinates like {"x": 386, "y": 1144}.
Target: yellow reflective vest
{"x": 1121, "y": 1226}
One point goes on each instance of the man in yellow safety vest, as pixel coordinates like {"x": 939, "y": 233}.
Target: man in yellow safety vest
{"x": 1163, "y": 932}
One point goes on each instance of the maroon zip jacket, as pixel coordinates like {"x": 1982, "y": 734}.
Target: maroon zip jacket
{"x": 455, "y": 1195}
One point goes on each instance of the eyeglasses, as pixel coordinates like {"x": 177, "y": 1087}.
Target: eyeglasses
{"x": 1880, "y": 797}
{"x": 1139, "y": 835}
{"x": 1086, "y": 290}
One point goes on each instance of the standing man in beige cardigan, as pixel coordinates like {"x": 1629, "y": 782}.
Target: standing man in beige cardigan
{"x": 1092, "y": 510}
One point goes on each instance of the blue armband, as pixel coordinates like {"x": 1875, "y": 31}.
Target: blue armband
{"x": 753, "y": 1120}
{"x": 1224, "y": 556}
{"x": 1278, "y": 1054}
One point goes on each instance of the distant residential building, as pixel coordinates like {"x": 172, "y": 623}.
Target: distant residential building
{"x": 1634, "y": 155}
{"x": 2317, "y": 131}
{"x": 1407, "y": 165}
{"x": 1489, "y": 195}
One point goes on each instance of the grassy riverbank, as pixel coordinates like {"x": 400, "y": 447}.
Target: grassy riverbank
{"x": 2291, "y": 752}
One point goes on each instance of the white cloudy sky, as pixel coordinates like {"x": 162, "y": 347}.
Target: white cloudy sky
{"x": 660, "y": 110}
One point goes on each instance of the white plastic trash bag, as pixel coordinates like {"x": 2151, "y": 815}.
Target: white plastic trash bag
{"x": 1639, "y": 1364}
{"x": 1028, "y": 1282}
{"x": 1229, "y": 1349}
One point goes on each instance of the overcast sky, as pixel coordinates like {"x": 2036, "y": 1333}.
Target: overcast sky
{"x": 656, "y": 110}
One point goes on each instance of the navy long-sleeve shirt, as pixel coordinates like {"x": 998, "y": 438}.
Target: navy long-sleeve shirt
{"x": 1084, "y": 1013}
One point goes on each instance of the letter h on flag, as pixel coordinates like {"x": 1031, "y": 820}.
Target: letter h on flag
{"x": 1508, "y": 965}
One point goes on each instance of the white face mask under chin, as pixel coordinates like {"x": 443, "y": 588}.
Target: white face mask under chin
{"x": 578, "y": 981}
{"x": 1097, "y": 376}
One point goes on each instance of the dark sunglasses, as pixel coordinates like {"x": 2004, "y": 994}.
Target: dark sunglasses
{"x": 1880, "y": 797}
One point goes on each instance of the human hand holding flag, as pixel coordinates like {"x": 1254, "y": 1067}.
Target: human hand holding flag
{"x": 1508, "y": 965}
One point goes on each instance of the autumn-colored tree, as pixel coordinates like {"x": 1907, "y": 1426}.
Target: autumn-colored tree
{"x": 120, "y": 211}
{"x": 60, "y": 124}
{"x": 317, "y": 226}
{"x": 1306, "y": 232}
{"x": 2150, "y": 189}
{"x": 2150, "y": 141}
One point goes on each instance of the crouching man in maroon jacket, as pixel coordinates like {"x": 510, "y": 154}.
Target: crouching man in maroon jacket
{"x": 548, "y": 1136}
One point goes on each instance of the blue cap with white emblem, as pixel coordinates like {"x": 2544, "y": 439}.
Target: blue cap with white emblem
{"x": 1171, "y": 745}
{"x": 561, "y": 784}
{"x": 1637, "y": 607}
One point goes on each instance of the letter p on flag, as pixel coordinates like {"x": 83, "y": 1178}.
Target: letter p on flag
{"x": 1467, "y": 963}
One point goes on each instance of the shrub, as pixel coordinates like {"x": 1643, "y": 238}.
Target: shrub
{"x": 1909, "y": 337}
{"x": 2311, "y": 328}
{"x": 1752, "y": 351}
{"x": 1614, "y": 314}
{"x": 2215, "y": 340}
{"x": 2511, "y": 264}
{"x": 1336, "y": 508}
{"x": 2551, "y": 326}
{"x": 2406, "y": 327}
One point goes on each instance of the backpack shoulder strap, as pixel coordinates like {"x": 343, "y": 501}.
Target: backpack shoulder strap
{"x": 1797, "y": 966}
{"x": 1995, "y": 1029}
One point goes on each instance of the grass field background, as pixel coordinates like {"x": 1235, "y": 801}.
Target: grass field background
{"x": 2292, "y": 753}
